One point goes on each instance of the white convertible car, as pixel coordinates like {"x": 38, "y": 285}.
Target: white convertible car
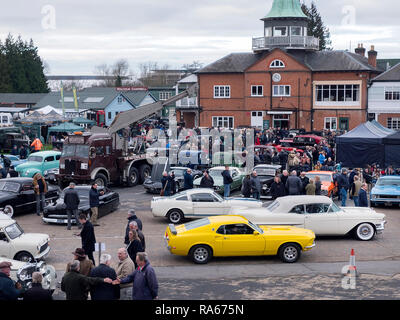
{"x": 320, "y": 214}
{"x": 198, "y": 203}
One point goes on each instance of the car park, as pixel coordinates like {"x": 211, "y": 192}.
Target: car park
{"x": 56, "y": 212}
{"x": 228, "y": 236}
{"x": 17, "y": 195}
{"x": 18, "y": 245}
{"x": 320, "y": 214}
{"x": 43, "y": 162}
{"x": 197, "y": 203}
{"x": 386, "y": 191}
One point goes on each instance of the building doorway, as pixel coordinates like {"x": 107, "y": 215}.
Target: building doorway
{"x": 281, "y": 121}
{"x": 257, "y": 119}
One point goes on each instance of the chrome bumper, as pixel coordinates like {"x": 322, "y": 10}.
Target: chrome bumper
{"x": 43, "y": 255}
{"x": 380, "y": 227}
{"x": 310, "y": 247}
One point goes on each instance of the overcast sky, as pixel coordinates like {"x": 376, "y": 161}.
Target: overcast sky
{"x": 74, "y": 36}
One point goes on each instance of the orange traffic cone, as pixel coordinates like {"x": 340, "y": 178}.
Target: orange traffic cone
{"x": 352, "y": 263}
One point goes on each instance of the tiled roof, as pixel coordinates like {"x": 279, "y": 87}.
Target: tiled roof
{"x": 21, "y": 98}
{"x": 392, "y": 74}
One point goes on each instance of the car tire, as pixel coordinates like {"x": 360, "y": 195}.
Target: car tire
{"x": 175, "y": 216}
{"x": 289, "y": 252}
{"x": 364, "y": 231}
{"x": 23, "y": 256}
{"x": 200, "y": 254}
{"x": 133, "y": 177}
{"x": 101, "y": 180}
{"x": 145, "y": 172}
{"x": 9, "y": 210}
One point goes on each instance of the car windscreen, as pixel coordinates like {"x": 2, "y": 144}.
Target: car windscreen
{"x": 273, "y": 206}
{"x": 76, "y": 150}
{"x": 179, "y": 194}
{"x": 35, "y": 158}
{"x": 388, "y": 182}
{"x": 9, "y": 186}
{"x": 255, "y": 227}
{"x": 323, "y": 177}
{"x": 334, "y": 208}
{"x": 265, "y": 171}
{"x": 197, "y": 224}
{"x": 14, "y": 231}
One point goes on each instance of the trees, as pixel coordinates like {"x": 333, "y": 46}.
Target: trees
{"x": 316, "y": 26}
{"x": 115, "y": 74}
{"x": 21, "y": 68}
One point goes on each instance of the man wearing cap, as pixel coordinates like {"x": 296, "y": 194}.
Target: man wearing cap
{"x": 132, "y": 217}
{"x": 86, "y": 265}
{"x": 9, "y": 290}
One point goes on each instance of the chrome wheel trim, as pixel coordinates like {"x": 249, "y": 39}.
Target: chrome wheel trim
{"x": 8, "y": 210}
{"x": 365, "y": 231}
{"x": 290, "y": 253}
{"x": 175, "y": 217}
{"x": 200, "y": 254}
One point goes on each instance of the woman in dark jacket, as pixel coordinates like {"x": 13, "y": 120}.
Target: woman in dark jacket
{"x": 246, "y": 186}
{"x": 134, "y": 246}
{"x": 277, "y": 188}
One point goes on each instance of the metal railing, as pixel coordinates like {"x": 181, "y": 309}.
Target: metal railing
{"x": 296, "y": 42}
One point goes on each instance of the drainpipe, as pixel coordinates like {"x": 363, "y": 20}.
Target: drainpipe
{"x": 312, "y": 102}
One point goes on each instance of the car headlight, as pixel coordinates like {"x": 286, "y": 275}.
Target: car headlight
{"x": 23, "y": 274}
{"x": 373, "y": 196}
{"x": 62, "y": 165}
{"x": 46, "y": 172}
{"x": 84, "y": 166}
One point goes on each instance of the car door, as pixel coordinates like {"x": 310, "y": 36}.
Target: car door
{"x": 26, "y": 200}
{"x": 239, "y": 240}
{"x": 105, "y": 201}
{"x": 4, "y": 244}
{"x": 236, "y": 177}
{"x": 205, "y": 204}
{"x": 321, "y": 220}
{"x": 48, "y": 163}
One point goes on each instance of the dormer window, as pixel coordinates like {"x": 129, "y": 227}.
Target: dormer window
{"x": 277, "y": 64}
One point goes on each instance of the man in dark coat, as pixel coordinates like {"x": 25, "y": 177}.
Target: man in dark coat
{"x": 145, "y": 284}
{"x": 132, "y": 217}
{"x": 9, "y": 290}
{"x": 293, "y": 184}
{"x": 76, "y": 285}
{"x": 94, "y": 202}
{"x": 246, "y": 186}
{"x": 305, "y": 181}
{"x": 206, "y": 181}
{"x": 255, "y": 185}
{"x": 343, "y": 186}
{"x": 173, "y": 183}
{"x": 277, "y": 188}
{"x": 104, "y": 291}
{"x": 23, "y": 152}
{"x": 6, "y": 165}
{"x": 362, "y": 196}
{"x": 188, "y": 180}
{"x": 71, "y": 200}
{"x": 88, "y": 237}
{"x": 166, "y": 184}
{"x": 36, "y": 292}
{"x": 283, "y": 158}
{"x": 227, "y": 181}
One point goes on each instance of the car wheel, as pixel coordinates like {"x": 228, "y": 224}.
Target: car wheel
{"x": 23, "y": 256}
{"x": 289, "y": 252}
{"x": 200, "y": 254}
{"x": 133, "y": 177}
{"x": 365, "y": 231}
{"x": 175, "y": 216}
{"x": 9, "y": 210}
{"x": 101, "y": 180}
{"x": 145, "y": 172}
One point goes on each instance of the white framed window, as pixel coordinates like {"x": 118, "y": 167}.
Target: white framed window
{"x": 268, "y": 32}
{"x": 257, "y": 91}
{"x": 277, "y": 64}
{"x": 295, "y": 31}
{"x": 393, "y": 123}
{"x": 392, "y": 93}
{"x": 164, "y": 95}
{"x": 223, "y": 122}
{"x": 120, "y": 99}
{"x": 280, "y": 31}
{"x": 281, "y": 91}
{"x": 330, "y": 123}
{"x": 222, "y": 91}
{"x": 338, "y": 93}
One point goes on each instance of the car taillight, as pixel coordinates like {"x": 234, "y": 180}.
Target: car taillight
{"x": 166, "y": 236}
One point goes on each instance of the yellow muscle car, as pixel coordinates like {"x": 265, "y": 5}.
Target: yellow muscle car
{"x": 225, "y": 236}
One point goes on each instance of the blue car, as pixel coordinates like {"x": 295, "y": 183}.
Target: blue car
{"x": 386, "y": 191}
{"x": 15, "y": 161}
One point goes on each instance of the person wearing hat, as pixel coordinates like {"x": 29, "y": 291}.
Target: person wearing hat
{"x": 132, "y": 217}
{"x": 86, "y": 265}
{"x": 9, "y": 290}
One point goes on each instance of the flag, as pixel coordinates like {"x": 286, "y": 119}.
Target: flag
{"x": 62, "y": 98}
{"x": 75, "y": 99}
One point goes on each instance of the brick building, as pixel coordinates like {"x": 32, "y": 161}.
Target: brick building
{"x": 286, "y": 81}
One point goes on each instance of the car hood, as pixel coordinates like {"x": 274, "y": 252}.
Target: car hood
{"x": 32, "y": 239}
{"x": 386, "y": 190}
{"x": 287, "y": 230}
{"x": 28, "y": 165}
{"x": 362, "y": 211}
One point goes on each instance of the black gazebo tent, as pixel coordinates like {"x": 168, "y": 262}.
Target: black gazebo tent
{"x": 361, "y": 146}
{"x": 392, "y": 149}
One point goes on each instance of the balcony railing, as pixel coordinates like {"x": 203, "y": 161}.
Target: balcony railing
{"x": 291, "y": 42}
{"x": 187, "y": 103}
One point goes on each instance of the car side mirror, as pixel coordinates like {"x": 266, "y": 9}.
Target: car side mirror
{"x": 92, "y": 152}
{"x": 256, "y": 233}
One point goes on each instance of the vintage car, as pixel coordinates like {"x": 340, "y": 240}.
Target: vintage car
{"x": 194, "y": 159}
{"x": 228, "y": 236}
{"x": 307, "y": 140}
{"x": 287, "y": 147}
{"x": 18, "y": 196}
{"x": 15, "y": 161}
{"x": 22, "y": 272}
{"x": 236, "y": 173}
{"x": 153, "y": 185}
{"x": 266, "y": 173}
{"x": 320, "y": 214}
{"x": 328, "y": 186}
{"x": 386, "y": 191}
{"x": 56, "y": 211}
{"x": 197, "y": 203}
{"x": 44, "y": 162}
{"x": 12, "y": 136}
{"x": 17, "y": 245}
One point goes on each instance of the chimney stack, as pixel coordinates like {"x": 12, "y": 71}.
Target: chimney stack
{"x": 372, "y": 54}
{"x": 360, "y": 50}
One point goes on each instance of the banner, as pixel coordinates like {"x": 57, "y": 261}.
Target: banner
{"x": 75, "y": 99}
{"x": 62, "y": 98}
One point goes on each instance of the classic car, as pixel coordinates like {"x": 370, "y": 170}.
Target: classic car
{"x": 236, "y": 174}
{"x": 266, "y": 173}
{"x": 17, "y": 245}
{"x": 18, "y": 196}
{"x": 197, "y": 203}
{"x": 320, "y": 214}
{"x": 307, "y": 140}
{"x": 287, "y": 147}
{"x": 226, "y": 236}
{"x": 15, "y": 161}
{"x": 194, "y": 159}
{"x": 44, "y": 162}
{"x": 22, "y": 272}
{"x": 386, "y": 191}
{"x": 153, "y": 185}
{"x": 328, "y": 186}
{"x": 12, "y": 136}
{"x": 56, "y": 211}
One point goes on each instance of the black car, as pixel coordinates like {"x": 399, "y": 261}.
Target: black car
{"x": 266, "y": 173}
{"x": 17, "y": 195}
{"x": 56, "y": 212}
{"x": 154, "y": 186}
